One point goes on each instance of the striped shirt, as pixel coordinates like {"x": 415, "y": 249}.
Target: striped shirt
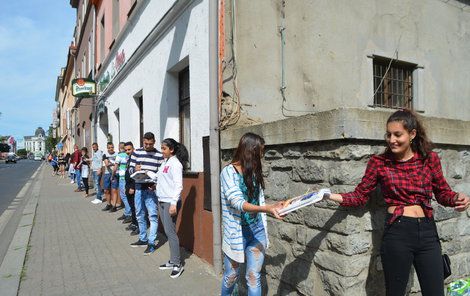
{"x": 148, "y": 160}
{"x": 232, "y": 201}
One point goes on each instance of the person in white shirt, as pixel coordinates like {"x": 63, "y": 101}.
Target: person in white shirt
{"x": 169, "y": 187}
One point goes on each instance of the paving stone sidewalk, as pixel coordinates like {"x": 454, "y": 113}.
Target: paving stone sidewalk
{"x": 76, "y": 249}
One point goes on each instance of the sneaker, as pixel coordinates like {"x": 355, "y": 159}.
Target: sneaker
{"x": 71, "y": 182}
{"x": 166, "y": 266}
{"x": 177, "y": 271}
{"x": 107, "y": 207}
{"x": 96, "y": 201}
{"x": 139, "y": 243}
{"x": 150, "y": 249}
{"x": 134, "y": 232}
{"x": 122, "y": 217}
{"x": 131, "y": 227}
{"x": 127, "y": 220}
{"x": 113, "y": 209}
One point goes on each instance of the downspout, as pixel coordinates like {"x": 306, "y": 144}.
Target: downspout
{"x": 93, "y": 63}
{"x": 214, "y": 136}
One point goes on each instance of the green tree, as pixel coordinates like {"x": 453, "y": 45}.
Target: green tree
{"x": 50, "y": 141}
{"x": 21, "y": 152}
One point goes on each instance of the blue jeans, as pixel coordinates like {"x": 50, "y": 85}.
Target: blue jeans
{"x": 122, "y": 194}
{"x": 254, "y": 243}
{"x": 78, "y": 179}
{"x": 146, "y": 199}
{"x": 96, "y": 181}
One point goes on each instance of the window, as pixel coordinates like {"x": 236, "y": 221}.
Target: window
{"x": 115, "y": 18}
{"x": 139, "y": 100}
{"x": 116, "y": 113}
{"x": 102, "y": 47}
{"x": 89, "y": 55}
{"x": 184, "y": 109}
{"x": 393, "y": 83}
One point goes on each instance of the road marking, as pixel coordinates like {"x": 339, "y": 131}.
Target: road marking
{"x": 10, "y": 269}
{"x": 5, "y": 217}
{"x": 36, "y": 172}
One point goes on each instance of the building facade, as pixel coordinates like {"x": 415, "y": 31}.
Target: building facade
{"x": 37, "y": 143}
{"x": 318, "y": 80}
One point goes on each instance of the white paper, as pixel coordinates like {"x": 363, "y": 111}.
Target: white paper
{"x": 304, "y": 200}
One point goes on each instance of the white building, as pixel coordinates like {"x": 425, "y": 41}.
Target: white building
{"x": 156, "y": 79}
{"x": 36, "y": 143}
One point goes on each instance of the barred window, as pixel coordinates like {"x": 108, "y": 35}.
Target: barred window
{"x": 393, "y": 83}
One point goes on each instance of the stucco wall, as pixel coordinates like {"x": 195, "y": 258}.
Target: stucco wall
{"x": 184, "y": 43}
{"x": 326, "y": 54}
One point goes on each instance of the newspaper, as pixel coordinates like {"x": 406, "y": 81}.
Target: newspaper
{"x": 304, "y": 200}
{"x": 144, "y": 177}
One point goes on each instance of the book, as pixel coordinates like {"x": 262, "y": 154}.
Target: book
{"x": 144, "y": 177}
{"x": 303, "y": 200}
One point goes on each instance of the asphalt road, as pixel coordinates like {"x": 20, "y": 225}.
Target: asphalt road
{"x": 13, "y": 177}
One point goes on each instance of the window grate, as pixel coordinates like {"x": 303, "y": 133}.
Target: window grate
{"x": 393, "y": 88}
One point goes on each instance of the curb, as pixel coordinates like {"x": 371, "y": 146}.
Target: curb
{"x": 11, "y": 269}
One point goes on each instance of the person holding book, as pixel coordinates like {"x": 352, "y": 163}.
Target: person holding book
{"x": 244, "y": 211}
{"x": 170, "y": 185}
{"x": 145, "y": 159}
{"x": 408, "y": 172}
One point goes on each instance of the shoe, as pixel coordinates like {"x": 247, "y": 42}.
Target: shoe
{"x": 122, "y": 217}
{"x": 96, "y": 201}
{"x": 113, "y": 209}
{"x": 71, "y": 182}
{"x": 150, "y": 249}
{"x": 107, "y": 208}
{"x": 119, "y": 207}
{"x": 131, "y": 227}
{"x": 166, "y": 266}
{"x": 134, "y": 232}
{"x": 177, "y": 271}
{"x": 127, "y": 220}
{"x": 139, "y": 243}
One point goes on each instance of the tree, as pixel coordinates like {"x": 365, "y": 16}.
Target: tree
{"x": 4, "y": 147}
{"x": 50, "y": 141}
{"x": 21, "y": 152}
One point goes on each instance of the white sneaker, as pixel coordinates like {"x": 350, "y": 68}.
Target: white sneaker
{"x": 96, "y": 201}
{"x": 71, "y": 182}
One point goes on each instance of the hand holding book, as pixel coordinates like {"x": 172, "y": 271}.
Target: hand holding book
{"x": 304, "y": 200}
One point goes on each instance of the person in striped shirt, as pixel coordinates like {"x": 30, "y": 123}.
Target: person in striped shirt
{"x": 245, "y": 236}
{"x": 147, "y": 158}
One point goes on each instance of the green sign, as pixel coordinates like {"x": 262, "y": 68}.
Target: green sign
{"x": 83, "y": 87}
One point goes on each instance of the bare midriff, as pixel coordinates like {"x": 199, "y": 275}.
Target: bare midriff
{"x": 414, "y": 211}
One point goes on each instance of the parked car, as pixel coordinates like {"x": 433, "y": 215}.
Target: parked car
{"x": 11, "y": 158}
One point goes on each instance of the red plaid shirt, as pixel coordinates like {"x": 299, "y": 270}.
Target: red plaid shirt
{"x": 403, "y": 183}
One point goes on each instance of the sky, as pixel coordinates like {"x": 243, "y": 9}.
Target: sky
{"x": 34, "y": 40}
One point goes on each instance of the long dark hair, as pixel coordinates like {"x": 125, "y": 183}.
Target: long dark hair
{"x": 411, "y": 121}
{"x": 179, "y": 150}
{"x": 248, "y": 154}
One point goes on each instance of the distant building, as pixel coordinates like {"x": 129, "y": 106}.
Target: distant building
{"x": 36, "y": 143}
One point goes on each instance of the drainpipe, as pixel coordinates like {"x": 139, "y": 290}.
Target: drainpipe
{"x": 214, "y": 136}
{"x": 93, "y": 63}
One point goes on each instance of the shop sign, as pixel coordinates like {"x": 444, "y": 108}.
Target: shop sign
{"x": 116, "y": 65}
{"x": 83, "y": 87}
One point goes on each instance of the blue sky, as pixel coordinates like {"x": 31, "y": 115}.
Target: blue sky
{"x": 34, "y": 39}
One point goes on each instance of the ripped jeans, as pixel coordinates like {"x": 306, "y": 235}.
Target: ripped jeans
{"x": 254, "y": 244}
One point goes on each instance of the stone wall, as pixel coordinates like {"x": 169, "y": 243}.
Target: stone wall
{"x": 328, "y": 250}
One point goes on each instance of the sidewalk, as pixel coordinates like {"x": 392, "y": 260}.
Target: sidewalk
{"x": 76, "y": 249}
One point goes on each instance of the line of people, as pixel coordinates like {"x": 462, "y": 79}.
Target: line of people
{"x": 144, "y": 200}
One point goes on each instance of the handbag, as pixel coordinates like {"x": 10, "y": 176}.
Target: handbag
{"x": 446, "y": 263}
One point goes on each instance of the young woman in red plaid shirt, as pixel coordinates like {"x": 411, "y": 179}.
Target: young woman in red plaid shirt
{"x": 409, "y": 172}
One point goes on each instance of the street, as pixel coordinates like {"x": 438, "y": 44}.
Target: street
{"x": 13, "y": 177}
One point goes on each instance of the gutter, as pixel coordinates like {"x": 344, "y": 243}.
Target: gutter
{"x": 214, "y": 133}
